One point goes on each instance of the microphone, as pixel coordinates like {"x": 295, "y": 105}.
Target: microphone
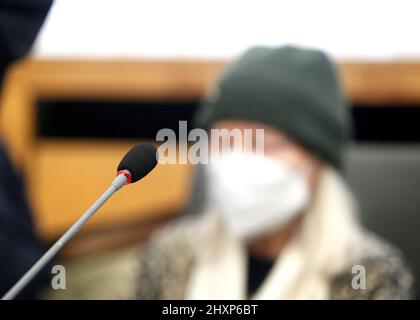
{"x": 136, "y": 164}
{"x": 139, "y": 161}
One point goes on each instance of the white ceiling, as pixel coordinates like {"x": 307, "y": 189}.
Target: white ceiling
{"x": 368, "y": 29}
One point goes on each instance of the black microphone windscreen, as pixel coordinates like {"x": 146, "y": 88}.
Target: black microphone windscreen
{"x": 139, "y": 160}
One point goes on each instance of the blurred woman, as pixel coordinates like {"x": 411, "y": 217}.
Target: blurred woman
{"x": 282, "y": 224}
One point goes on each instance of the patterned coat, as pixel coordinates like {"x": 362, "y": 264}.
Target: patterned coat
{"x": 165, "y": 264}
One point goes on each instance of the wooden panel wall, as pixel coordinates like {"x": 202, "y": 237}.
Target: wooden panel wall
{"x": 64, "y": 177}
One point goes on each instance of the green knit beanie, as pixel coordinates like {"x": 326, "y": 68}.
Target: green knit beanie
{"x": 293, "y": 89}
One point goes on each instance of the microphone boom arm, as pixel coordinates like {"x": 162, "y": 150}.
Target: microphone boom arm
{"x": 117, "y": 184}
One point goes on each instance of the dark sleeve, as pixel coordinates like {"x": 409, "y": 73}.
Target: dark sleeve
{"x": 20, "y": 21}
{"x": 19, "y": 247}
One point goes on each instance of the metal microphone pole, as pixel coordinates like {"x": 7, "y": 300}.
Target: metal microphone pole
{"x": 118, "y": 183}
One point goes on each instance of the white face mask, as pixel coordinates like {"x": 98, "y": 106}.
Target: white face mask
{"x": 255, "y": 194}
